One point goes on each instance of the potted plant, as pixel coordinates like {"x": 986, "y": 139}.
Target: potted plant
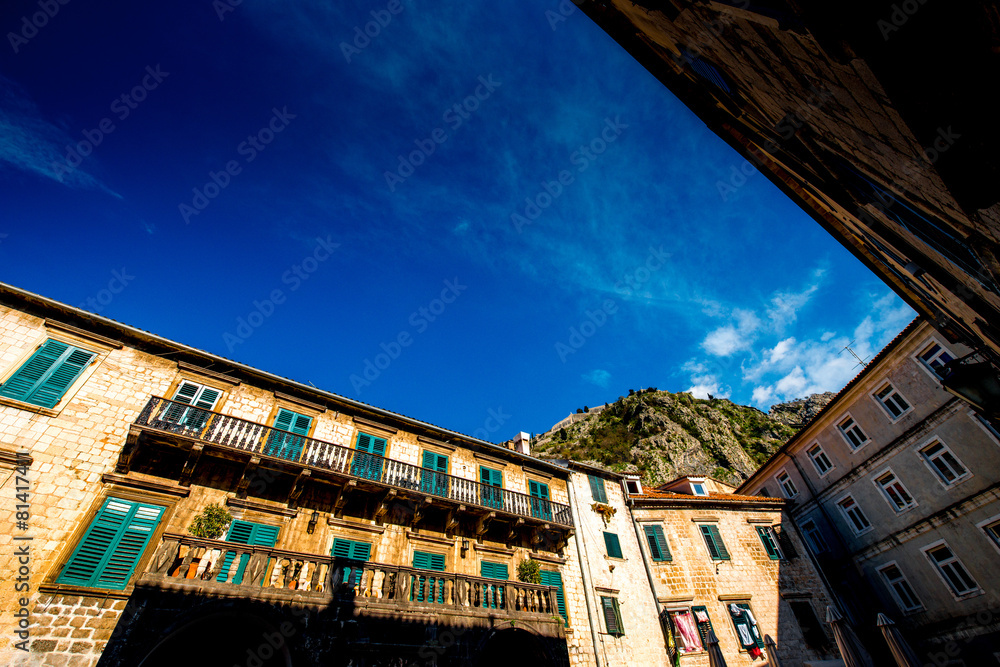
{"x": 211, "y": 524}
{"x": 529, "y": 571}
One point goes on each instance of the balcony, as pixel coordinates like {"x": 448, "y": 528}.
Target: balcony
{"x": 215, "y": 568}
{"x": 237, "y": 437}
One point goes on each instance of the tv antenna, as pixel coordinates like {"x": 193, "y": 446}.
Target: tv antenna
{"x": 861, "y": 362}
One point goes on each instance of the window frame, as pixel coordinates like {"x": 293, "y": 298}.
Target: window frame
{"x": 666, "y": 555}
{"x": 854, "y": 425}
{"x": 713, "y": 533}
{"x": 989, "y": 523}
{"x": 781, "y": 484}
{"x": 698, "y": 489}
{"x": 927, "y": 444}
{"x": 883, "y": 491}
{"x": 616, "y": 542}
{"x": 939, "y": 568}
{"x": 850, "y": 522}
{"x": 615, "y": 608}
{"x": 598, "y": 489}
{"x": 893, "y": 391}
{"x": 772, "y": 537}
{"x": 807, "y": 534}
{"x": 982, "y": 423}
{"x": 822, "y": 453}
{"x": 891, "y": 585}
{"x": 97, "y": 356}
{"x": 926, "y": 366}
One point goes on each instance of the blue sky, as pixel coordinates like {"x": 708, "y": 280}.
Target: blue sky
{"x": 482, "y": 217}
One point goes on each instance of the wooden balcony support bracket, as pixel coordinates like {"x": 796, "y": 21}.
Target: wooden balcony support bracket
{"x": 451, "y": 521}
{"x": 341, "y": 499}
{"x": 420, "y": 510}
{"x": 483, "y": 524}
{"x": 298, "y": 487}
{"x": 249, "y": 471}
{"x": 563, "y": 539}
{"x": 383, "y": 505}
{"x": 190, "y": 464}
{"x": 125, "y": 457}
{"x": 515, "y": 529}
{"x": 536, "y": 534}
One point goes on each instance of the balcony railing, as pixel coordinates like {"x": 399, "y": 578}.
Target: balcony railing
{"x": 235, "y": 433}
{"x": 185, "y": 559}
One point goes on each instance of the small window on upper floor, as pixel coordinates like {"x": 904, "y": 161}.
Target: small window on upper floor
{"x": 894, "y": 491}
{"x": 597, "y": 490}
{"x": 814, "y": 537}
{"x": 820, "y": 460}
{"x": 698, "y": 489}
{"x": 934, "y": 356}
{"x": 893, "y": 402}
{"x": 852, "y": 433}
{"x": 48, "y": 373}
{"x": 612, "y": 544}
{"x": 713, "y": 541}
{"x": 951, "y": 569}
{"x": 855, "y": 517}
{"x": 633, "y": 486}
{"x": 943, "y": 462}
{"x": 786, "y": 484}
{"x": 201, "y": 400}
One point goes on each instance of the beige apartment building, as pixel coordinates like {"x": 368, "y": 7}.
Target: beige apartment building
{"x": 733, "y": 564}
{"x": 894, "y": 487}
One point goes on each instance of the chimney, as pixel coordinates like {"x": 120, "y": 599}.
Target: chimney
{"x": 522, "y": 443}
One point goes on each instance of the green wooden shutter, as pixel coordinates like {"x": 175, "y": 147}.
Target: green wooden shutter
{"x": 553, "y": 578}
{"x": 365, "y": 464}
{"x": 245, "y": 532}
{"x": 767, "y": 539}
{"x": 185, "y": 393}
{"x": 713, "y": 540}
{"x": 284, "y": 445}
{"x": 493, "y": 594}
{"x": 658, "y": 548}
{"x": 434, "y": 478}
{"x": 493, "y": 496}
{"x": 703, "y": 626}
{"x": 493, "y": 570}
{"x": 743, "y": 619}
{"x": 44, "y": 378}
{"x": 612, "y": 616}
{"x": 597, "y": 490}
{"x": 540, "y": 506}
{"x": 613, "y": 545}
{"x": 351, "y": 550}
{"x": 110, "y": 549}
{"x": 434, "y": 586}
{"x": 785, "y": 542}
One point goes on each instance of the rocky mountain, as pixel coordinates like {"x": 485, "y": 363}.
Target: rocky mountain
{"x": 661, "y": 435}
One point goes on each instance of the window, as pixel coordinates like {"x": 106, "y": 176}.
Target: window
{"x": 934, "y": 357}
{"x": 613, "y": 546}
{"x": 493, "y": 594}
{"x": 686, "y": 633}
{"x": 897, "y": 495}
{"x": 553, "y": 578}
{"x": 698, "y": 489}
{"x": 745, "y": 624}
{"x": 819, "y": 459}
{"x": 900, "y": 587}
{"x": 944, "y": 463}
{"x": 985, "y": 424}
{"x": 597, "y": 490}
{"x": 368, "y": 456}
{"x": 857, "y": 519}
{"x": 423, "y": 587}
{"x": 201, "y": 398}
{"x": 633, "y": 486}
{"x": 855, "y": 437}
{"x": 541, "y": 508}
{"x": 951, "y": 569}
{"x": 814, "y": 537}
{"x": 812, "y": 631}
{"x": 434, "y": 476}
{"x": 764, "y": 492}
{"x": 992, "y": 529}
{"x": 658, "y": 549}
{"x": 245, "y": 532}
{"x": 770, "y": 542}
{"x": 703, "y": 621}
{"x": 351, "y": 550}
{"x": 111, "y": 548}
{"x": 892, "y": 401}
{"x": 490, "y": 493}
{"x": 43, "y": 379}
{"x": 713, "y": 540}
{"x": 786, "y": 484}
{"x": 612, "y": 616}
{"x": 289, "y": 435}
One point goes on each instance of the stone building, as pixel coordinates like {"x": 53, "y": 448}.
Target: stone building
{"x": 894, "y": 487}
{"x": 713, "y": 556}
{"x": 359, "y": 536}
{"x": 870, "y": 115}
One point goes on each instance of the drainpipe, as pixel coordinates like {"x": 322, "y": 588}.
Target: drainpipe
{"x": 581, "y": 547}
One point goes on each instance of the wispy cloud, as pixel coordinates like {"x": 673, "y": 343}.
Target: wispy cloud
{"x": 598, "y": 376}
{"x": 30, "y": 143}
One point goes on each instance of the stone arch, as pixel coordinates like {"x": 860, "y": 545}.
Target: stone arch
{"x": 511, "y": 646}
{"x": 221, "y": 637}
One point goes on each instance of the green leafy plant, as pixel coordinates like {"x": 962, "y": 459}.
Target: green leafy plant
{"x": 529, "y": 571}
{"x": 211, "y": 523}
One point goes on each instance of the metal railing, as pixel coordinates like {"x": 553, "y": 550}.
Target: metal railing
{"x": 192, "y": 559}
{"x": 182, "y": 419}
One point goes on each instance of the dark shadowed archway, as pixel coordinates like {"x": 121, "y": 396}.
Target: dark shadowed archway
{"x": 513, "y": 646}
{"x": 221, "y": 639}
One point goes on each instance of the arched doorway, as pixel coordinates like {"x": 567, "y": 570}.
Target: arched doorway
{"x": 221, "y": 638}
{"x": 513, "y": 646}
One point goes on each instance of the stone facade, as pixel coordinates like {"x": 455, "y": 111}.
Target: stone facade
{"x": 784, "y": 590}
{"x": 874, "y": 502}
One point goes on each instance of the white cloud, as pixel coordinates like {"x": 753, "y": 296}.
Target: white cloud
{"x": 730, "y": 338}
{"x": 598, "y": 376}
